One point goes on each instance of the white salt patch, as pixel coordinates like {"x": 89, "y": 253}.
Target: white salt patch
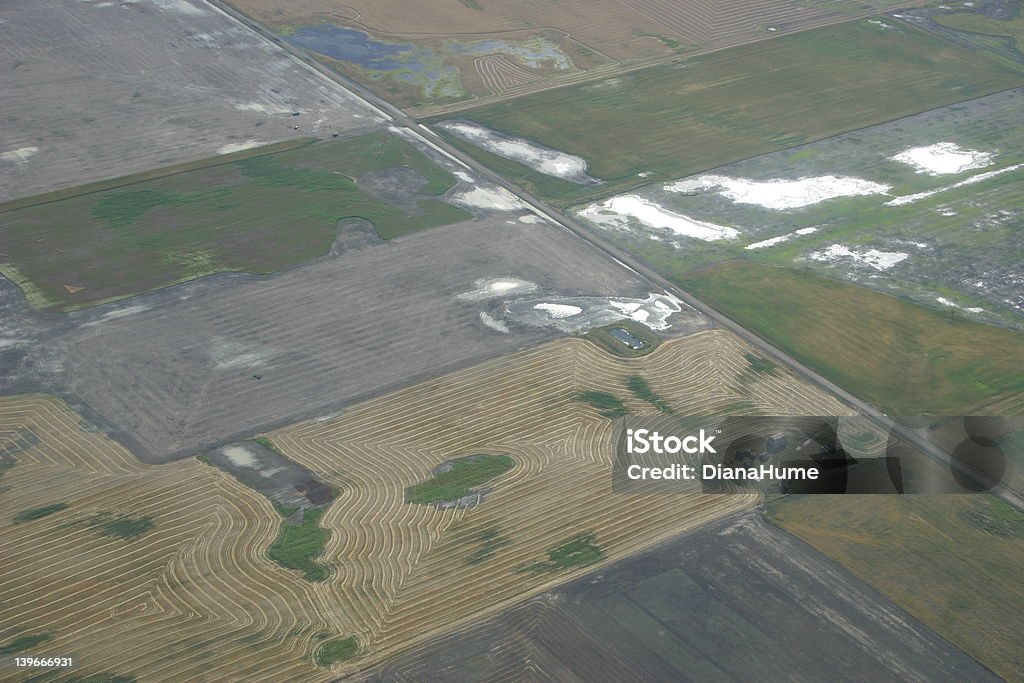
{"x": 547, "y": 161}
{"x": 271, "y": 472}
{"x": 497, "y": 325}
{"x": 179, "y": 6}
{"x": 879, "y": 260}
{"x": 117, "y": 314}
{"x": 240, "y": 456}
{"x": 496, "y": 198}
{"x": 493, "y": 288}
{"x": 781, "y": 194}
{"x": 942, "y": 158}
{"x": 618, "y": 210}
{"x": 262, "y": 108}
{"x": 559, "y": 310}
{"x": 18, "y": 155}
{"x": 772, "y": 241}
{"x": 238, "y": 146}
{"x": 980, "y": 177}
{"x": 946, "y": 302}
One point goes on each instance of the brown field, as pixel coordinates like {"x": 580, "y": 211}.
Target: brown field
{"x": 199, "y": 581}
{"x": 600, "y": 36}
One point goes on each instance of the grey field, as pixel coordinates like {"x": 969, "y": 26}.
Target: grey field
{"x": 94, "y": 90}
{"x": 737, "y": 600}
{"x": 227, "y": 356}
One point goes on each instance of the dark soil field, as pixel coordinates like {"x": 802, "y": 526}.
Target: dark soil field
{"x": 95, "y": 90}
{"x": 736, "y": 600}
{"x": 674, "y": 120}
{"x": 256, "y": 213}
{"x": 211, "y": 362}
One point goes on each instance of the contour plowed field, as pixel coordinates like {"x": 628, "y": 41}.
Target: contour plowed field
{"x": 198, "y": 580}
{"x": 404, "y": 571}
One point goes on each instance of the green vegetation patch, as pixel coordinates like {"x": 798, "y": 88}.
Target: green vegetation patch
{"x": 456, "y": 479}
{"x": 39, "y": 513}
{"x": 642, "y": 390}
{"x": 299, "y": 545}
{"x": 268, "y": 444}
{"x": 761, "y": 365}
{"x": 256, "y": 213}
{"x": 336, "y": 650}
{"x": 674, "y": 120}
{"x": 610, "y": 406}
{"x": 119, "y": 524}
{"x": 897, "y": 544}
{"x": 903, "y": 358}
{"x": 993, "y": 516}
{"x": 581, "y": 550}
{"x": 23, "y": 643}
{"x": 489, "y": 542}
{"x": 102, "y": 678}
{"x": 602, "y": 337}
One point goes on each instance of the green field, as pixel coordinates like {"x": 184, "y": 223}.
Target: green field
{"x": 1000, "y": 39}
{"x": 904, "y": 359}
{"x": 459, "y": 480}
{"x": 976, "y": 22}
{"x": 675, "y": 120}
{"x": 253, "y": 213}
{"x": 299, "y": 545}
{"x": 23, "y": 643}
{"x": 953, "y": 562}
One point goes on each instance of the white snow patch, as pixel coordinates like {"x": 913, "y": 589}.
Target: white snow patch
{"x": 463, "y": 176}
{"x": 980, "y": 177}
{"x": 547, "y": 161}
{"x": 19, "y": 155}
{"x": 497, "y": 325}
{"x": 493, "y": 288}
{"x": 618, "y": 210}
{"x": 240, "y": 456}
{"x": 238, "y": 146}
{"x": 779, "y": 193}
{"x": 943, "y": 158}
{"x": 531, "y": 218}
{"x": 496, "y": 198}
{"x": 559, "y": 311}
{"x": 879, "y": 260}
{"x": 772, "y": 241}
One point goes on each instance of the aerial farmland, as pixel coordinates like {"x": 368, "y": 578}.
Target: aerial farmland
{"x": 327, "y": 332}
